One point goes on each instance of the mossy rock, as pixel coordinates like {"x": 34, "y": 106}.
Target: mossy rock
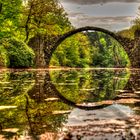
{"x": 15, "y": 53}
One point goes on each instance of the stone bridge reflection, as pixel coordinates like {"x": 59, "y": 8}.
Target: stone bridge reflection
{"x": 130, "y": 94}
{"x": 127, "y": 97}
{"x": 37, "y": 104}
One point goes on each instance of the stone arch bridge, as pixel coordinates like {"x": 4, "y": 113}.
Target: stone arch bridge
{"x": 45, "y": 49}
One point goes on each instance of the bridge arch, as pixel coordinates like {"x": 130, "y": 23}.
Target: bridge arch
{"x": 78, "y": 30}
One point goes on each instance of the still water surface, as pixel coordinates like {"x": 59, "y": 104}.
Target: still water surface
{"x": 62, "y": 104}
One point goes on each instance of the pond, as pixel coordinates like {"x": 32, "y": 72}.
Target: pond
{"x": 87, "y": 104}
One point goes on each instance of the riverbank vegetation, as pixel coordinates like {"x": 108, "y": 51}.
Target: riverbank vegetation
{"x": 15, "y": 53}
{"x": 21, "y": 21}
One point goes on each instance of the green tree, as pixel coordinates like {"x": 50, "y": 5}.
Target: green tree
{"x": 109, "y": 53}
{"x": 43, "y": 17}
{"x": 42, "y": 23}
{"x": 10, "y": 11}
{"x": 15, "y": 53}
{"x": 73, "y": 52}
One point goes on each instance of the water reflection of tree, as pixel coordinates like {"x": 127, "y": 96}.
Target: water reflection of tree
{"x": 33, "y": 117}
{"x": 13, "y": 87}
{"x": 89, "y": 85}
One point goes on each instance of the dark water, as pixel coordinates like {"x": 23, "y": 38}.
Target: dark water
{"x": 87, "y": 104}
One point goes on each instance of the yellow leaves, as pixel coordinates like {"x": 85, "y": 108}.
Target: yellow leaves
{"x": 102, "y": 40}
{"x": 13, "y": 130}
{"x": 7, "y": 107}
{"x": 7, "y": 26}
{"x": 61, "y": 112}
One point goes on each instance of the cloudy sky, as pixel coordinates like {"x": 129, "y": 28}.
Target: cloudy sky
{"x": 110, "y": 14}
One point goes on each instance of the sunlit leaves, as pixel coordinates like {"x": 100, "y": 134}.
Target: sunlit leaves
{"x": 9, "y": 17}
{"x": 15, "y": 53}
{"x": 90, "y": 49}
{"x": 43, "y": 17}
{"x": 73, "y": 52}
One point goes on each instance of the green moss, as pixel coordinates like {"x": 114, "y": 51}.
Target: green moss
{"x": 15, "y": 53}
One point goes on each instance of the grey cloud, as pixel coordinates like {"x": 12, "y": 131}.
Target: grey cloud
{"x": 82, "y": 16}
{"x": 108, "y": 19}
{"x": 110, "y": 23}
{"x": 88, "y": 2}
{"x": 76, "y": 14}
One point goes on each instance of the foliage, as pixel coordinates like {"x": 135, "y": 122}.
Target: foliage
{"x": 109, "y": 53}
{"x": 136, "y": 21}
{"x": 28, "y": 18}
{"x": 30, "y": 116}
{"x": 4, "y": 60}
{"x": 47, "y": 20}
{"x": 130, "y": 32}
{"x": 127, "y": 33}
{"x": 91, "y": 49}
{"x": 15, "y": 53}
{"x": 89, "y": 85}
{"x": 9, "y": 17}
{"x": 73, "y": 52}
{"x": 43, "y": 17}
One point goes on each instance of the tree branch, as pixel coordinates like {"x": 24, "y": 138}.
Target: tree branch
{"x": 0, "y": 8}
{"x": 27, "y": 22}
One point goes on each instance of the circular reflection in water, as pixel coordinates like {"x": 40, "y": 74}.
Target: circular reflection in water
{"x": 89, "y": 86}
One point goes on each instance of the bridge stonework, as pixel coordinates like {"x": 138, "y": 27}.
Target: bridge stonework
{"x": 132, "y": 47}
{"x": 45, "y": 47}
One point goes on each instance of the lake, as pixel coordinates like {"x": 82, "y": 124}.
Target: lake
{"x": 87, "y": 104}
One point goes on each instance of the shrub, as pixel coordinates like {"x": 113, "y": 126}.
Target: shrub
{"x": 4, "y": 60}
{"x": 15, "y": 53}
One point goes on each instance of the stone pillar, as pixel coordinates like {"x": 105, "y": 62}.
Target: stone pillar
{"x": 37, "y": 44}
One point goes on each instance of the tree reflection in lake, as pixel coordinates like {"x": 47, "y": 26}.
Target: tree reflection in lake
{"x": 88, "y": 85}
{"x": 31, "y": 107}
{"x": 29, "y": 117}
